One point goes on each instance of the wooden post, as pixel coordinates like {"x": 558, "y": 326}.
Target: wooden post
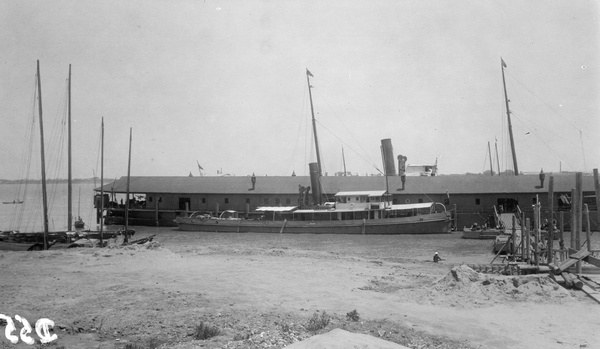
{"x": 217, "y": 209}
{"x": 550, "y": 218}
{"x": 562, "y": 228}
{"x": 536, "y": 232}
{"x": 573, "y": 217}
{"x": 527, "y": 240}
{"x": 588, "y": 232}
{"x": 514, "y": 230}
{"x": 455, "y": 218}
{"x": 523, "y": 235}
{"x": 597, "y": 188}
{"x": 579, "y": 190}
{"x": 156, "y": 210}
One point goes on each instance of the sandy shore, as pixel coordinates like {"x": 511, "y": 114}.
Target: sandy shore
{"x": 264, "y": 297}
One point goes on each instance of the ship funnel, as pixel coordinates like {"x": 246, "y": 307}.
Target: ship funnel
{"x": 387, "y": 153}
{"x": 315, "y": 182}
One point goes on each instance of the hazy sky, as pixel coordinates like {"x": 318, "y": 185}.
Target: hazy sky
{"x": 223, "y": 83}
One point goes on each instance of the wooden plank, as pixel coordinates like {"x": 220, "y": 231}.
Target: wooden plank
{"x": 592, "y": 260}
{"x": 593, "y": 294}
{"x": 573, "y": 259}
{"x": 579, "y": 254}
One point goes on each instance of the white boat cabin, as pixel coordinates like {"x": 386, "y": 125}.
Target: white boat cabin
{"x": 362, "y": 200}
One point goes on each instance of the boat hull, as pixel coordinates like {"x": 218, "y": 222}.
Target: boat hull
{"x": 436, "y": 223}
{"x": 139, "y": 217}
{"x": 489, "y": 234}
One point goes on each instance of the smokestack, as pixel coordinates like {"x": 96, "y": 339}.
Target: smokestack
{"x": 388, "y": 157}
{"x": 315, "y": 182}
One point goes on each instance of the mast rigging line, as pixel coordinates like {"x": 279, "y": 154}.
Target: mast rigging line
{"x": 541, "y": 140}
{"x": 558, "y": 114}
{"x": 545, "y": 103}
{"x": 338, "y": 138}
{"x": 29, "y": 142}
{"x": 369, "y": 160}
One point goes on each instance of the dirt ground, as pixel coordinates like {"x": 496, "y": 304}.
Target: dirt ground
{"x": 149, "y": 296}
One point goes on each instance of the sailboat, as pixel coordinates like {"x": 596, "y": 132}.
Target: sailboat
{"x": 98, "y": 237}
{"x": 79, "y": 223}
{"x": 40, "y": 240}
{"x": 353, "y": 212}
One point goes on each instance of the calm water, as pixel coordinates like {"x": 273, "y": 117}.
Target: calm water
{"x": 28, "y": 216}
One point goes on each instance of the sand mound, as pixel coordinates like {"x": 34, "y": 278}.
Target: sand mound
{"x": 340, "y": 339}
{"x": 464, "y": 287}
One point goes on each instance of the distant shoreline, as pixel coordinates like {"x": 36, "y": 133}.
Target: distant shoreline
{"x": 56, "y": 180}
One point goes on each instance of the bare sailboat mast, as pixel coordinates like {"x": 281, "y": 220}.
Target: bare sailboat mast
{"x": 44, "y": 195}
{"x": 491, "y": 166}
{"x": 510, "y": 133}
{"x": 102, "y": 183}
{"x": 70, "y": 186}
{"x": 127, "y": 199}
{"x": 314, "y": 123}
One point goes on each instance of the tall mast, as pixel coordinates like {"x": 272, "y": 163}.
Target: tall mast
{"x": 102, "y": 182}
{"x": 491, "y": 166}
{"x": 512, "y": 140}
{"x": 314, "y": 123}
{"x": 344, "y": 161}
{"x": 127, "y": 200}
{"x": 497, "y": 159}
{"x": 44, "y": 195}
{"x": 70, "y": 188}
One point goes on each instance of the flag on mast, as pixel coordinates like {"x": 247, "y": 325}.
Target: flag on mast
{"x": 309, "y": 73}
{"x": 503, "y": 64}
{"x": 199, "y": 167}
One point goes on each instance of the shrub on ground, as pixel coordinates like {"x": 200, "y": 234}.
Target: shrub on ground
{"x": 204, "y": 331}
{"x": 317, "y": 322}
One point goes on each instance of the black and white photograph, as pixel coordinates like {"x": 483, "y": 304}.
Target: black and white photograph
{"x": 299, "y": 174}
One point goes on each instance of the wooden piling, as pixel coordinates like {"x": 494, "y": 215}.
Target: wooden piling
{"x": 568, "y": 280}
{"x": 536, "y": 232}
{"x": 579, "y": 190}
{"x": 573, "y": 217}
{"x": 523, "y": 237}
{"x": 588, "y": 233}
{"x": 513, "y": 246}
{"x": 550, "y": 218}
{"x": 527, "y": 240}
{"x": 573, "y": 280}
{"x": 561, "y": 218}
{"x": 597, "y": 188}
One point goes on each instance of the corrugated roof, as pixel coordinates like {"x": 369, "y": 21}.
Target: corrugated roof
{"x": 451, "y": 184}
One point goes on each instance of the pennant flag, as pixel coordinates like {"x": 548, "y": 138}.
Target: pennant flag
{"x": 309, "y": 73}
{"x": 503, "y": 64}
{"x": 199, "y": 167}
